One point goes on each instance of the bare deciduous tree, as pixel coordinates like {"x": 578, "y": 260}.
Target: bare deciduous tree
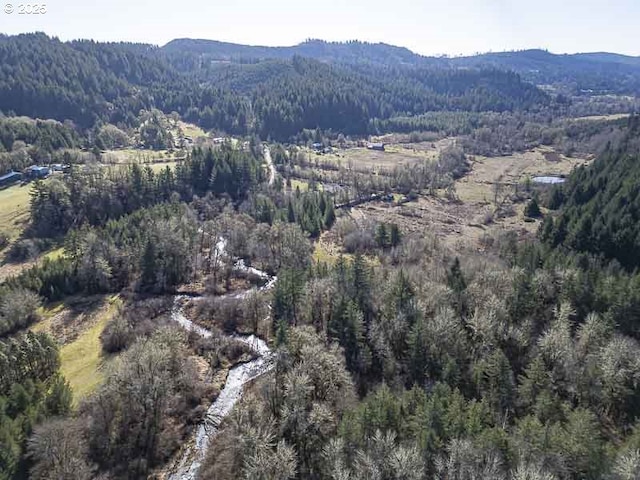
{"x": 58, "y": 450}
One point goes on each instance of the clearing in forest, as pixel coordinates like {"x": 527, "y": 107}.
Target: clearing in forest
{"x": 191, "y": 130}
{"x": 360, "y": 158}
{"x": 465, "y": 223}
{"x": 77, "y": 327}
{"x": 479, "y": 185}
{"x": 134, "y": 155}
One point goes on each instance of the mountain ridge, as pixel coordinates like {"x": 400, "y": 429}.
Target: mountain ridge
{"x": 92, "y": 83}
{"x": 579, "y": 73}
{"x": 313, "y": 48}
{"x": 299, "y": 48}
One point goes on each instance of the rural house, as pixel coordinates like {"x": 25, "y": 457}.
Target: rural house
{"x": 376, "y": 146}
{"x": 37, "y": 171}
{"x": 10, "y": 178}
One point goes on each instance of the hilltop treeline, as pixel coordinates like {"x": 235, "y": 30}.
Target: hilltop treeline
{"x": 88, "y": 83}
{"x": 83, "y": 82}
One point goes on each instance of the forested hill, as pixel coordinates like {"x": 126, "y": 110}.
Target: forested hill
{"x": 601, "y": 207}
{"x": 81, "y": 81}
{"x": 579, "y": 73}
{"x": 582, "y": 73}
{"x": 90, "y": 83}
{"x": 345, "y": 52}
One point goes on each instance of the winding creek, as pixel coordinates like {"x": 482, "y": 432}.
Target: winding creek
{"x": 237, "y": 378}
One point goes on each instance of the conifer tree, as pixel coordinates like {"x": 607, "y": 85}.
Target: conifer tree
{"x": 532, "y": 209}
{"x": 382, "y": 236}
{"x": 329, "y": 214}
{"x": 148, "y": 266}
{"x": 394, "y": 235}
{"x": 458, "y": 284}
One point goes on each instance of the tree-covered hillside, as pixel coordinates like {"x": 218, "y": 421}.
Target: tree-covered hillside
{"x": 342, "y": 52}
{"x": 287, "y": 97}
{"x": 45, "y": 78}
{"x": 90, "y": 83}
{"x": 585, "y": 73}
{"x": 601, "y": 208}
{"x": 278, "y": 92}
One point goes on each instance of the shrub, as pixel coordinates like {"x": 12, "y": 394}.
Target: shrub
{"x": 24, "y": 250}
{"x": 18, "y": 309}
{"x": 4, "y": 240}
{"x": 360, "y": 241}
{"x": 117, "y": 335}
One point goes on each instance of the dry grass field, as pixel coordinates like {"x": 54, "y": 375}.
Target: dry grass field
{"x": 478, "y": 185}
{"x": 134, "y": 155}
{"x": 464, "y": 224}
{"x": 361, "y": 158}
{"x": 191, "y": 130}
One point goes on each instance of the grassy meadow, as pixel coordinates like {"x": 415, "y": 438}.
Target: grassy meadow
{"x": 14, "y": 209}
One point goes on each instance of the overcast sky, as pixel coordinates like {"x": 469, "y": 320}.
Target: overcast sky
{"x": 425, "y": 26}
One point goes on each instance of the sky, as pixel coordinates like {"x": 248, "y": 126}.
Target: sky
{"x": 429, "y": 27}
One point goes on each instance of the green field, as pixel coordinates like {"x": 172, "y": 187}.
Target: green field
{"x": 14, "y": 209}
{"x": 54, "y": 254}
{"x": 303, "y": 185}
{"x": 361, "y": 158}
{"x": 82, "y": 361}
